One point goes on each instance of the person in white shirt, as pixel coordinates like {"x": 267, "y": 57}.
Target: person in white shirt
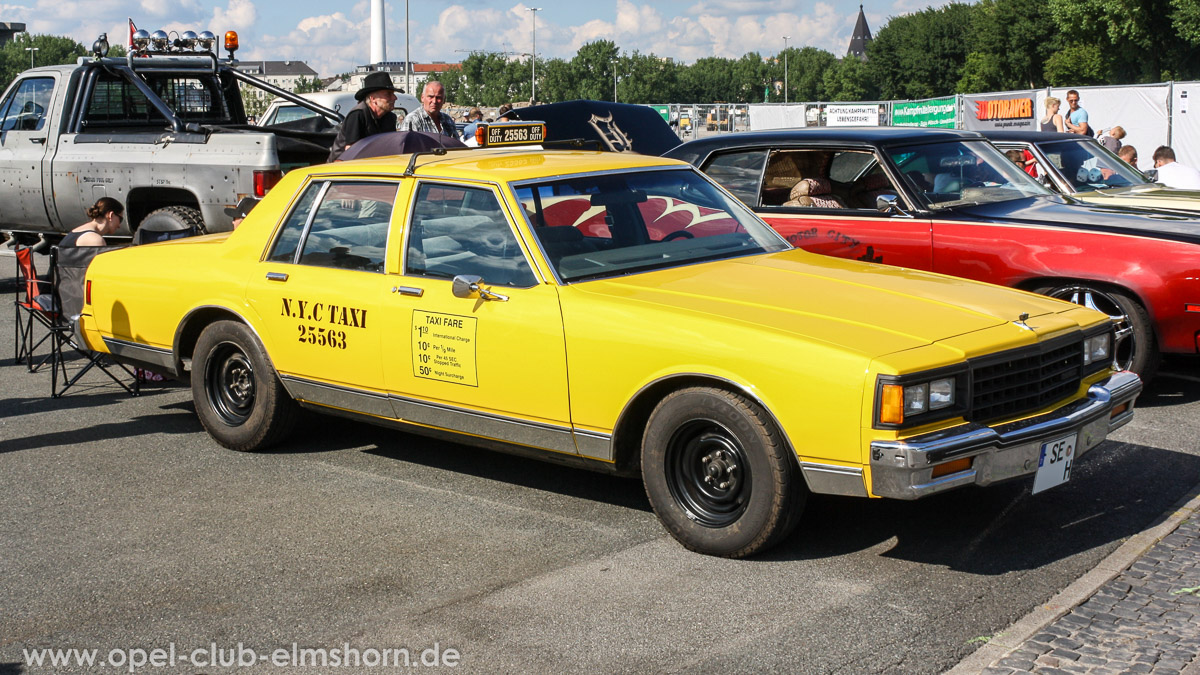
{"x": 1172, "y": 173}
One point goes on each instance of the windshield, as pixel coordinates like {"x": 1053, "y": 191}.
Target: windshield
{"x": 289, "y": 113}
{"x": 1089, "y": 166}
{"x": 962, "y": 172}
{"x": 612, "y": 224}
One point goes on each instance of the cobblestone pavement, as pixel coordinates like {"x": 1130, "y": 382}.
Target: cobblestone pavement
{"x": 1145, "y": 619}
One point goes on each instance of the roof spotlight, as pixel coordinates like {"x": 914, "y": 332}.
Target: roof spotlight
{"x": 141, "y": 39}
{"x": 206, "y": 40}
{"x": 159, "y": 40}
{"x": 100, "y": 46}
{"x": 187, "y": 40}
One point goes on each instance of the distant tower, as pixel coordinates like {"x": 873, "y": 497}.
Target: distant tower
{"x": 378, "y": 29}
{"x": 862, "y": 36}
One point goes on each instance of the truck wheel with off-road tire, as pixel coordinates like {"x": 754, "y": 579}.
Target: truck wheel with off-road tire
{"x": 719, "y": 474}
{"x": 174, "y": 219}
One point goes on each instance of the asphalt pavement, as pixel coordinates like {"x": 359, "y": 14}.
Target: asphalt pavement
{"x": 123, "y": 527}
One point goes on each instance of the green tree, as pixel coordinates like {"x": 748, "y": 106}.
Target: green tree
{"x": 1077, "y": 64}
{"x": 849, "y": 79}
{"x": 1010, "y": 42}
{"x": 806, "y": 70}
{"x": 307, "y": 85}
{"x": 1139, "y": 40}
{"x": 593, "y": 68}
{"x": 555, "y": 81}
{"x": 52, "y": 50}
{"x": 646, "y": 78}
{"x": 707, "y": 80}
{"x": 921, "y": 55}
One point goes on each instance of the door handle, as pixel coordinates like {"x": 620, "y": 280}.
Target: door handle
{"x": 408, "y": 290}
{"x": 277, "y": 276}
{"x": 39, "y": 141}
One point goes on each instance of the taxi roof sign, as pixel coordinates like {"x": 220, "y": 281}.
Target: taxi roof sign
{"x": 499, "y": 134}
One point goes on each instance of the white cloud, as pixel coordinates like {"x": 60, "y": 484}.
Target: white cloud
{"x": 239, "y": 15}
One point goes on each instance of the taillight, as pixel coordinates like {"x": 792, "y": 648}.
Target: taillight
{"x": 87, "y": 292}
{"x": 265, "y": 180}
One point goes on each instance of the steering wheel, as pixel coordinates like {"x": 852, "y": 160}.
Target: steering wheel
{"x": 679, "y": 234}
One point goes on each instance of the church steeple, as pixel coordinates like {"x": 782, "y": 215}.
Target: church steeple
{"x": 862, "y": 36}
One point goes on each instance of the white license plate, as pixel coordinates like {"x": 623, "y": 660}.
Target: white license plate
{"x": 1054, "y": 465}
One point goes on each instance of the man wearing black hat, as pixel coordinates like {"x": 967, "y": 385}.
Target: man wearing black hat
{"x": 429, "y": 117}
{"x": 373, "y": 114}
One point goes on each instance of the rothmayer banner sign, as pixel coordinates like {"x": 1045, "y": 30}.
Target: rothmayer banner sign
{"x": 1011, "y": 110}
{"x": 852, "y": 115}
{"x": 935, "y": 112}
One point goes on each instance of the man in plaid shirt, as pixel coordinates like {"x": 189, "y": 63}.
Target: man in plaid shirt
{"x": 429, "y": 117}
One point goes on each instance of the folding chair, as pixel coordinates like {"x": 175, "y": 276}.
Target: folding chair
{"x": 68, "y": 268}
{"x": 28, "y": 311}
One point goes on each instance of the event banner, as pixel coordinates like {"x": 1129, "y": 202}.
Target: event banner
{"x": 1011, "y": 110}
{"x": 852, "y": 115}
{"x": 933, "y": 112}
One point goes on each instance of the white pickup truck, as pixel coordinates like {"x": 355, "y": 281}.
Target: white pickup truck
{"x": 164, "y": 132}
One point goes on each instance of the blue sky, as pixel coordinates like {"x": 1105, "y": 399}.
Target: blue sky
{"x": 334, "y": 37}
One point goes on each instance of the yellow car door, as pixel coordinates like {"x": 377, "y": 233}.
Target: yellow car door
{"x": 318, "y": 290}
{"x": 489, "y": 361}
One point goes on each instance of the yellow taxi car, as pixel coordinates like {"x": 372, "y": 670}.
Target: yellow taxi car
{"x": 618, "y": 312}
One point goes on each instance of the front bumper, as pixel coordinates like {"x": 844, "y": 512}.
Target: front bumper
{"x": 904, "y": 469}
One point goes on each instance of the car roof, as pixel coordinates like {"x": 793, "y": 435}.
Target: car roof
{"x": 703, "y": 147}
{"x": 1031, "y": 136}
{"x": 499, "y": 165}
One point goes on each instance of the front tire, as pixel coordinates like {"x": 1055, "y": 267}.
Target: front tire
{"x": 718, "y": 474}
{"x": 239, "y": 398}
{"x": 1136, "y": 348}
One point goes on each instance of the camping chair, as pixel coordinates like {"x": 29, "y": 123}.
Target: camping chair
{"x": 68, "y": 268}
{"x": 29, "y": 311}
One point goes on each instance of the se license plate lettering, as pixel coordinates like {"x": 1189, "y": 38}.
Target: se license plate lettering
{"x": 1054, "y": 464}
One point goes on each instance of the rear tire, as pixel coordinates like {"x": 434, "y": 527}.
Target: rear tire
{"x": 238, "y": 396}
{"x": 718, "y": 474}
{"x": 1136, "y": 348}
{"x": 174, "y": 218}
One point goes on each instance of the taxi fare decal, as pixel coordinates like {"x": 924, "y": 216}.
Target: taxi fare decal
{"x": 444, "y": 347}
{"x": 320, "y": 313}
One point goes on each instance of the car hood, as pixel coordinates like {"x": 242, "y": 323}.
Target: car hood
{"x": 1073, "y": 214}
{"x": 869, "y": 309}
{"x": 1146, "y": 196}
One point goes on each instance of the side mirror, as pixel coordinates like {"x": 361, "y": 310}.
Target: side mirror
{"x": 889, "y": 204}
{"x": 467, "y": 285}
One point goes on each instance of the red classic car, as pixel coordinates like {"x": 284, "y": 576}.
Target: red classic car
{"x": 950, "y": 202}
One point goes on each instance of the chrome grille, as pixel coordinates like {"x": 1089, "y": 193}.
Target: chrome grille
{"x": 1025, "y": 380}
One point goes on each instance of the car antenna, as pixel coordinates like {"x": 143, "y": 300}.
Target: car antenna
{"x": 412, "y": 163}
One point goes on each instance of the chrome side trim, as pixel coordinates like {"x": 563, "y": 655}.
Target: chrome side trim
{"x": 834, "y": 480}
{"x": 140, "y": 352}
{"x": 335, "y": 396}
{"x": 594, "y": 444}
{"x": 903, "y": 469}
{"x": 519, "y": 432}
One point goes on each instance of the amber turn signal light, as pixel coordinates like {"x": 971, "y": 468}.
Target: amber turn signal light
{"x": 952, "y": 467}
{"x": 892, "y": 405}
{"x": 231, "y": 40}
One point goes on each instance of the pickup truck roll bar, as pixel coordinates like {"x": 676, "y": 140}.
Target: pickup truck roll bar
{"x": 287, "y": 95}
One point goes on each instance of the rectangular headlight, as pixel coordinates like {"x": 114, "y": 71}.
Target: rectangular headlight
{"x": 916, "y": 399}
{"x": 941, "y": 393}
{"x": 1097, "y": 349}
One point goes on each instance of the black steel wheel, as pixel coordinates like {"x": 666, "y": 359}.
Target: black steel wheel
{"x": 1136, "y": 348}
{"x": 708, "y": 474}
{"x": 718, "y": 474}
{"x": 239, "y": 398}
